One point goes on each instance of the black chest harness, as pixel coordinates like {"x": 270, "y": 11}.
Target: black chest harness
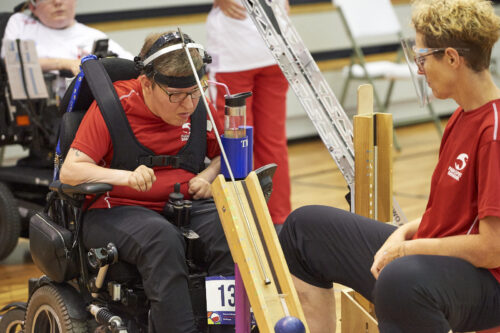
{"x": 128, "y": 152}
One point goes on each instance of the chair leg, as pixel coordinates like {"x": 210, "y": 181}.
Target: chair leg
{"x": 436, "y": 119}
{"x": 344, "y": 89}
{"x": 388, "y": 94}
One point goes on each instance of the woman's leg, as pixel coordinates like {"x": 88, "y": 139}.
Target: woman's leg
{"x": 323, "y": 245}
{"x": 435, "y": 294}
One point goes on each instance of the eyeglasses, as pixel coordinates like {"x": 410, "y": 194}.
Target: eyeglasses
{"x": 421, "y": 53}
{"x": 179, "y": 97}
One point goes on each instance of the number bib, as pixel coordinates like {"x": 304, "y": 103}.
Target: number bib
{"x": 220, "y": 300}
{"x": 220, "y": 292}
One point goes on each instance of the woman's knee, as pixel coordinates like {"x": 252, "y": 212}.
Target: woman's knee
{"x": 308, "y": 219}
{"x": 403, "y": 292}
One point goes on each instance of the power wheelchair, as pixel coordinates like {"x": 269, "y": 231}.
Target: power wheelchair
{"x": 32, "y": 124}
{"x": 91, "y": 290}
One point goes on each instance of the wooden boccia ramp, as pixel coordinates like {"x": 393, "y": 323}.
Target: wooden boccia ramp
{"x": 256, "y": 250}
{"x": 373, "y": 139}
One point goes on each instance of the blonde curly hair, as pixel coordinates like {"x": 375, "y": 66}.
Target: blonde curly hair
{"x": 470, "y": 24}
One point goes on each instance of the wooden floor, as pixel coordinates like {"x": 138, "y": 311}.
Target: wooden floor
{"x": 315, "y": 180}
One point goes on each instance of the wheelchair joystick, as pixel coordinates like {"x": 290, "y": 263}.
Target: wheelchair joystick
{"x": 178, "y": 212}
{"x": 175, "y": 209}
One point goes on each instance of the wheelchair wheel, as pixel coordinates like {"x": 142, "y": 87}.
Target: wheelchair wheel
{"x": 12, "y": 321}
{"x": 10, "y": 222}
{"x": 48, "y": 312}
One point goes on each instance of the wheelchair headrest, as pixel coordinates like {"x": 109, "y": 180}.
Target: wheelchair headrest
{"x": 118, "y": 69}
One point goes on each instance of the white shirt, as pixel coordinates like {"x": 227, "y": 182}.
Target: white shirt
{"x": 70, "y": 43}
{"x": 73, "y": 42}
{"x": 235, "y": 45}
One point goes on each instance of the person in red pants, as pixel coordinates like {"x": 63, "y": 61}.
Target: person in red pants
{"x": 242, "y": 61}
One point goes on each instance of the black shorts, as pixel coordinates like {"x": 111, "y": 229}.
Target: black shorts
{"x": 416, "y": 293}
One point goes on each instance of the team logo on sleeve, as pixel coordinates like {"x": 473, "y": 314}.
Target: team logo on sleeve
{"x": 460, "y": 164}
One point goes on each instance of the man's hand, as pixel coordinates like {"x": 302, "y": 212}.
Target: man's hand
{"x": 142, "y": 178}
{"x": 231, "y": 8}
{"x": 199, "y": 188}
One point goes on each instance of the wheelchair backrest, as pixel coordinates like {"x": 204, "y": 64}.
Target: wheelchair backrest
{"x": 30, "y": 122}
{"x": 118, "y": 69}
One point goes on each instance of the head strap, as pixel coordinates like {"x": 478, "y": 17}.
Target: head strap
{"x": 168, "y": 49}
{"x": 157, "y": 50}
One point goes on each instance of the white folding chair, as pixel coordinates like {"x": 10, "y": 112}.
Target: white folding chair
{"x": 368, "y": 19}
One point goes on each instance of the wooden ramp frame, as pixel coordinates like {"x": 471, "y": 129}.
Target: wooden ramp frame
{"x": 255, "y": 248}
{"x": 373, "y": 138}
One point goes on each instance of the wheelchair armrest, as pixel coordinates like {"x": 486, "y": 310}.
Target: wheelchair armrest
{"x": 85, "y": 188}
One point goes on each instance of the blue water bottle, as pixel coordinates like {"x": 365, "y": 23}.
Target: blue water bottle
{"x": 235, "y": 139}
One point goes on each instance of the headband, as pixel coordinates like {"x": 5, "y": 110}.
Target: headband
{"x": 156, "y": 51}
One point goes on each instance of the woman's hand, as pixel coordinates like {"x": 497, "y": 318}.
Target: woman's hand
{"x": 387, "y": 253}
{"x": 142, "y": 178}
{"x": 394, "y": 246}
{"x": 199, "y": 188}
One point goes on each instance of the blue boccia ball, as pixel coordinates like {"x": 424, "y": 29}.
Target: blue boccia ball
{"x": 289, "y": 324}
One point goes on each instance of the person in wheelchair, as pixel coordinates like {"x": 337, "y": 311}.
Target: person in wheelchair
{"x": 167, "y": 122}
{"x": 60, "y": 40}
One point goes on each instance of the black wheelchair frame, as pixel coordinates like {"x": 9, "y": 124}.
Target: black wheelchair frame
{"x": 33, "y": 124}
{"x": 24, "y": 186}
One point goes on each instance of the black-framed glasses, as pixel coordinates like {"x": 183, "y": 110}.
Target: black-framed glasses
{"x": 179, "y": 97}
{"x": 421, "y": 53}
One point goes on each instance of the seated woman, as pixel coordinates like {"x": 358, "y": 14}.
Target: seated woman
{"x": 442, "y": 271}
{"x": 166, "y": 140}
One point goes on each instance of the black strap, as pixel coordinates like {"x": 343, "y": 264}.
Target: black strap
{"x": 160, "y": 160}
{"x": 112, "y": 111}
{"x": 128, "y": 152}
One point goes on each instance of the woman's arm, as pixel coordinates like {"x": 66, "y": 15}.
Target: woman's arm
{"x": 199, "y": 186}
{"x": 80, "y": 168}
{"x": 481, "y": 250}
